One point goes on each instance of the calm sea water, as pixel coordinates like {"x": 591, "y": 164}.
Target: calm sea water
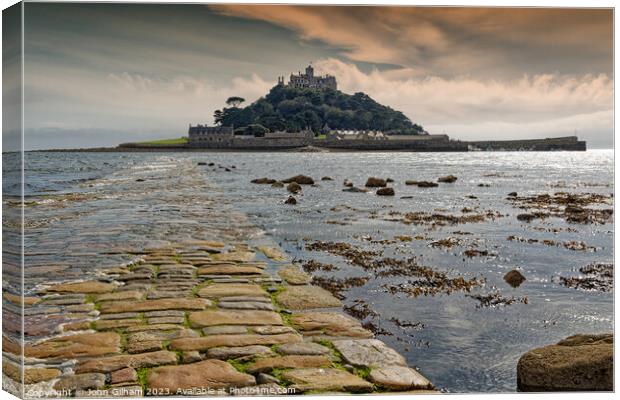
{"x": 87, "y": 206}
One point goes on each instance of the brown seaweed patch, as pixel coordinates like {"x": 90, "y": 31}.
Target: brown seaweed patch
{"x": 569, "y": 244}
{"x": 336, "y": 286}
{"x": 569, "y": 206}
{"x": 424, "y": 218}
{"x": 446, "y": 243}
{"x": 312, "y": 265}
{"x": 477, "y": 253}
{"x": 495, "y": 299}
{"x": 406, "y": 324}
{"x": 360, "y": 310}
{"x": 598, "y": 277}
{"x": 351, "y": 254}
{"x": 432, "y": 282}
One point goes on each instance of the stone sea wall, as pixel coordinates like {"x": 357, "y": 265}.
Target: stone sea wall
{"x": 569, "y": 143}
{"x": 403, "y": 144}
{"x": 421, "y": 144}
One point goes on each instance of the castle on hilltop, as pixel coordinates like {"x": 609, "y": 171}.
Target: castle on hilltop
{"x": 310, "y": 81}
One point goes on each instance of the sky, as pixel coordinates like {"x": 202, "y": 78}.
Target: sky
{"x": 102, "y": 74}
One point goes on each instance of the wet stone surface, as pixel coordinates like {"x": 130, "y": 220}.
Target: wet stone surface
{"x": 194, "y": 306}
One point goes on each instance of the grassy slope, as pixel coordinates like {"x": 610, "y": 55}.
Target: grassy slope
{"x": 165, "y": 142}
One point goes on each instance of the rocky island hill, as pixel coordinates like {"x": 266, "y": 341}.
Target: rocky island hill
{"x": 310, "y": 111}
{"x": 292, "y": 109}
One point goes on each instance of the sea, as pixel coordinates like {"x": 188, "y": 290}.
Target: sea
{"x": 83, "y": 209}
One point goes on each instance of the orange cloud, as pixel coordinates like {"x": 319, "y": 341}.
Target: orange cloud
{"x": 452, "y": 40}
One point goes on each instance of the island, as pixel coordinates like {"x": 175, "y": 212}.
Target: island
{"x": 309, "y": 112}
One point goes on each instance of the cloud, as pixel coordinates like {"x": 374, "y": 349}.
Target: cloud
{"x": 129, "y": 101}
{"x": 468, "y": 108}
{"x": 449, "y": 41}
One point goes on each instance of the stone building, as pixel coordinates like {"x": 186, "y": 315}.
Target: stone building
{"x": 310, "y": 81}
{"x": 210, "y": 136}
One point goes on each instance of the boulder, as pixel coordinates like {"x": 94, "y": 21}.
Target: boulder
{"x": 80, "y": 382}
{"x": 220, "y": 290}
{"x": 115, "y": 363}
{"x": 447, "y": 179}
{"x": 268, "y": 364}
{"x": 326, "y": 380}
{"x": 277, "y": 184}
{"x": 224, "y": 353}
{"x": 514, "y": 278}
{"x": 526, "y": 217}
{"x": 371, "y": 353}
{"x": 266, "y": 378}
{"x": 386, "y": 191}
{"x": 154, "y": 305}
{"x": 293, "y": 187}
{"x": 273, "y": 253}
{"x": 79, "y": 345}
{"x": 229, "y": 269}
{"x": 326, "y": 178}
{"x": 353, "y": 189}
{"x": 89, "y": 287}
{"x": 300, "y": 179}
{"x": 329, "y": 323}
{"x": 291, "y": 200}
{"x": 306, "y": 297}
{"x": 302, "y": 349}
{"x": 125, "y": 375}
{"x": 209, "y": 374}
{"x": 234, "y": 317}
{"x": 208, "y": 342}
{"x": 31, "y": 375}
{"x": 425, "y": 184}
{"x": 236, "y": 256}
{"x": 398, "y": 378}
{"x": 512, "y": 194}
{"x": 375, "y": 182}
{"x": 577, "y": 363}
{"x": 347, "y": 183}
{"x": 294, "y": 276}
{"x": 263, "y": 181}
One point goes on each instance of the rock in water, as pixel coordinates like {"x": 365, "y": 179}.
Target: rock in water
{"x": 291, "y": 200}
{"x": 326, "y": 178}
{"x": 300, "y": 179}
{"x": 425, "y": 184}
{"x": 386, "y": 191}
{"x": 264, "y": 181}
{"x": 447, "y": 179}
{"x": 376, "y": 182}
{"x": 577, "y": 363}
{"x": 353, "y": 189}
{"x": 294, "y": 187}
{"x": 514, "y": 278}
{"x": 277, "y": 184}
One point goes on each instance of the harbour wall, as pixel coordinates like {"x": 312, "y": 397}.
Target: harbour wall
{"x": 567, "y": 143}
{"x": 419, "y": 144}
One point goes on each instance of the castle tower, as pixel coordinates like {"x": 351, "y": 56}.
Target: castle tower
{"x": 310, "y": 71}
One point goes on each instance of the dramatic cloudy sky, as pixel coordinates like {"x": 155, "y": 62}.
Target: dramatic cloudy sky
{"x": 100, "y": 74}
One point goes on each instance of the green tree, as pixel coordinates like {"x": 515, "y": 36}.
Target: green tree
{"x": 234, "y": 101}
{"x": 218, "y": 116}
